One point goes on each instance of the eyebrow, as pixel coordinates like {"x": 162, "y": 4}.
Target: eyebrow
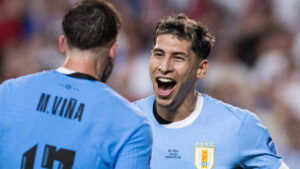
{"x": 157, "y": 50}
{"x": 180, "y": 53}
{"x": 173, "y": 53}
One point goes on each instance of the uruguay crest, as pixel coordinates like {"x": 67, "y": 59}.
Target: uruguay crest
{"x": 204, "y": 157}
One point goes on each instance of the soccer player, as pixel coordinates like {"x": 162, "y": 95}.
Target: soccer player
{"x": 190, "y": 129}
{"x": 68, "y": 118}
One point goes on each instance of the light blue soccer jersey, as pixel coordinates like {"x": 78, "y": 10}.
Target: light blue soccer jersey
{"x": 216, "y": 135}
{"x": 51, "y": 120}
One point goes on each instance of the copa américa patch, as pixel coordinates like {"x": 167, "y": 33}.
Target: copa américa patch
{"x": 271, "y": 146}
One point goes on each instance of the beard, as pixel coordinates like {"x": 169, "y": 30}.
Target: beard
{"x": 107, "y": 71}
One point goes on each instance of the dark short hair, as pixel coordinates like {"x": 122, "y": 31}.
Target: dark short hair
{"x": 185, "y": 28}
{"x": 91, "y": 23}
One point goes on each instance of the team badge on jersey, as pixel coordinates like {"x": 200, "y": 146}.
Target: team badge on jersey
{"x": 204, "y": 157}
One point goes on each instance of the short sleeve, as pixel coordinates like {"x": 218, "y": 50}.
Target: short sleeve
{"x": 136, "y": 154}
{"x": 255, "y": 145}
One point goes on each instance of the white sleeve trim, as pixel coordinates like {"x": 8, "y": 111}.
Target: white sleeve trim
{"x": 283, "y": 166}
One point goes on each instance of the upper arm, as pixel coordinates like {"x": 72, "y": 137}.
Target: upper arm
{"x": 136, "y": 152}
{"x": 255, "y": 145}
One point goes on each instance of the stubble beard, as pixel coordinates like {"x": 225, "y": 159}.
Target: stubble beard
{"x": 107, "y": 71}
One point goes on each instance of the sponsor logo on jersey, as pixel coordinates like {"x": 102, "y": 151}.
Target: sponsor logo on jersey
{"x": 204, "y": 157}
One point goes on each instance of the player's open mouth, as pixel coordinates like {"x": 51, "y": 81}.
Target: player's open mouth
{"x": 165, "y": 86}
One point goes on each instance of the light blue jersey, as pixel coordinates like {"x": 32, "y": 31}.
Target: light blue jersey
{"x": 216, "y": 135}
{"x": 51, "y": 120}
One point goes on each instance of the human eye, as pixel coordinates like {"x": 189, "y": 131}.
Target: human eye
{"x": 158, "y": 54}
{"x": 179, "y": 58}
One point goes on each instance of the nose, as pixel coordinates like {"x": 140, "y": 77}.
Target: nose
{"x": 165, "y": 66}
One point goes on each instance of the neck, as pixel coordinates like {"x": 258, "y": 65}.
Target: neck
{"x": 83, "y": 61}
{"x": 180, "y": 112}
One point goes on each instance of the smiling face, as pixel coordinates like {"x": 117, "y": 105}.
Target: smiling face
{"x": 174, "y": 70}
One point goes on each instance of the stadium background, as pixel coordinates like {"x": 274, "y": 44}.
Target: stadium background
{"x": 255, "y": 62}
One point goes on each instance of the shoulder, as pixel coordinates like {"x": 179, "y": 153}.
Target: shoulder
{"x": 146, "y": 104}
{"x": 119, "y": 105}
{"x": 121, "y": 114}
{"x": 228, "y": 110}
{"x": 23, "y": 80}
{"x": 142, "y": 103}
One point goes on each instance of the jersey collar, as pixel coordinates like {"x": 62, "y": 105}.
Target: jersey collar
{"x": 185, "y": 122}
{"x": 74, "y": 74}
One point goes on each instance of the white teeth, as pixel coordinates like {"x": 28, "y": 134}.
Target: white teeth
{"x": 165, "y": 80}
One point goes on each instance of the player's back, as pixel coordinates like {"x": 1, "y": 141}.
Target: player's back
{"x": 50, "y": 120}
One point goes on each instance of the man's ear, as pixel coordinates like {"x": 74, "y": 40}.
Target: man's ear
{"x": 62, "y": 44}
{"x": 202, "y": 69}
{"x": 113, "y": 50}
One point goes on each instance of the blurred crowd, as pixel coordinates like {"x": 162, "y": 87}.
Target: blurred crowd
{"x": 255, "y": 63}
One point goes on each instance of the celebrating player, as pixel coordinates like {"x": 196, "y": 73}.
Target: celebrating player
{"x": 190, "y": 129}
{"x": 67, "y": 118}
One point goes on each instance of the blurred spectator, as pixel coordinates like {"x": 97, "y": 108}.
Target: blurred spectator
{"x": 12, "y": 26}
{"x": 225, "y": 78}
{"x": 287, "y": 12}
{"x": 12, "y": 18}
{"x": 252, "y": 25}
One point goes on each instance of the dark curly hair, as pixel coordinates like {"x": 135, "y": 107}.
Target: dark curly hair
{"x": 186, "y": 29}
